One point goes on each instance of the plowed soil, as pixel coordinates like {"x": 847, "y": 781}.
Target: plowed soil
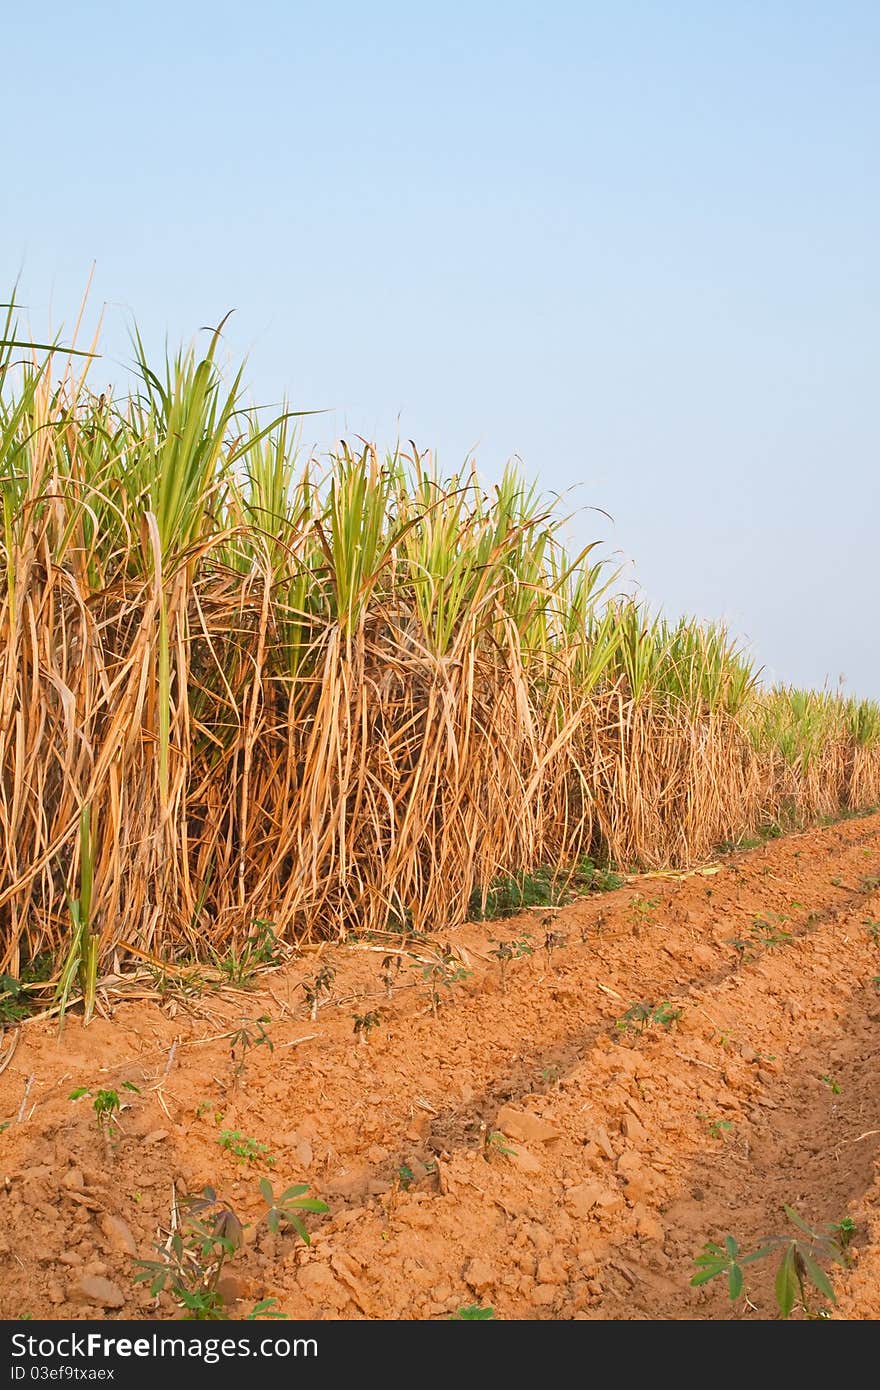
{"x": 554, "y": 1164}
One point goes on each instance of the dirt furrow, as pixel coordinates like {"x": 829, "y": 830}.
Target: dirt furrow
{"x": 520, "y": 1149}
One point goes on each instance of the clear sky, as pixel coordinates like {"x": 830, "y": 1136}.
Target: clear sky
{"x": 634, "y": 243}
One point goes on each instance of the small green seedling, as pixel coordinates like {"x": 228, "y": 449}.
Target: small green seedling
{"x": 365, "y": 1023}
{"x": 106, "y": 1108}
{"x": 665, "y": 1015}
{"x": 640, "y": 909}
{"x": 317, "y": 988}
{"x": 247, "y": 1149}
{"x": 244, "y": 1040}
{"x": 554, "y": 941}
{"x": 505, "y": 951}
{"x": 106, "y": 1105}
{"x": 642, "y": 1016}
{"x": 208, "y": 1234}
{"x": 719, "y": 1127}
{"x": 264, "y": 1309}
{"x": 845, "y": 1230}
{"x": 286, "y": 1209}
{"x": 443, "y": 973}
{"x": 637, "y": 1016}
{"x": 494, "y": 1142}
{"x": 726, "y": 1261}
{"x": 832, "y": 1084}
{"x": 472, "y": 1312}
{"x": 797, "y": 1272}
{"x": 771, "y": 934}
{"x": 741, "y": 947}
{"x": 389, "y": 971}
{"x": 192, "y": 1261}
{"x": 405, "y": 1176}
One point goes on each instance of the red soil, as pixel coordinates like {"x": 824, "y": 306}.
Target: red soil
{"x": 626, "y": 1151}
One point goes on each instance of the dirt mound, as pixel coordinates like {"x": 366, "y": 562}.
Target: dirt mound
{"x": 690, "y": 1054}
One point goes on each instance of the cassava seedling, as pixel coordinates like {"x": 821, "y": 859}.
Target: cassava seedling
{"x": 244, "y": 1040}
{"x": 191, "y": 1261}
{"x": 365, "y": 1023}
{"x": 287, "y": 1207}
{"x": 443, "y": 973}
{"x": 665, "y": 1015}
{"x": 554, "y": 941}
{"x": 640, "y": 909}
{"x": 106, "y": 1108}
{"x": 505, "y": 951}
{"x": 716, "y": 1127}
{"x": 206, "y": 1235}
{"x": 741, "y": 947}
{"x": 389, "y": 970}
{"x": 833, "y": 1085}
{"x": 727, "y": 1261}
{"x": 472, "y": 1312}
{"x": 316, "y": 988}
{"x": 636, "y": 1016}
{"x": 771, "y": 934}
{"x": 798, "y": 1270}
{"x": 642, "y": 1016}
{"x": 105, "y": 1103}
{"x": 494, "y": 1142}
{"x": 264, "y": 1309}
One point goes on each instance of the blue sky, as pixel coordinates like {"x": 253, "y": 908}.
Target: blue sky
{"x": 635, "y": 244}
